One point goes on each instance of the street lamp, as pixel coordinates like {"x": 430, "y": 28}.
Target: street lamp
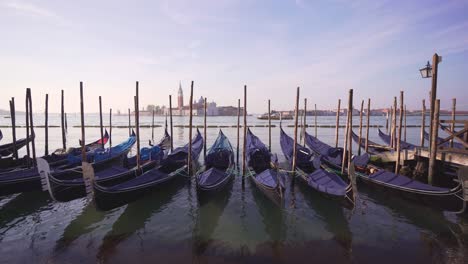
{"x": 426, "y": 72}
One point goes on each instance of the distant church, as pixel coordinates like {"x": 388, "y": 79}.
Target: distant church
{"x": 197, "y": 106}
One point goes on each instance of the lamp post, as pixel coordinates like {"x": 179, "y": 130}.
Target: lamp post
{"x": 430, "y": 71}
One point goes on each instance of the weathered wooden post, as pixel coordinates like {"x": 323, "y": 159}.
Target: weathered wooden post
{"x": 398, "y": 142}
{"x": 434, "y": 135}
{"x": 337, "y": 129}
{"x": 83, "y": 142}
{"x": 269, "y": 125}
{"x": 390, "y": 130}
{"x": 360, "y": 127}
{"x": 296, "y": 113}
{"x": 46, "y": 126}
{"x": 386, "y": 121}
{"x": 423, "y": 124}
{"x": 204, "y": 130}
{"x": 315, "y": 120}
{"x": 33, "y": 141}
{"x": 152, "y": 127}
{"x": 305, "y": 121}
{"x": 244, "y": 145}
{"x": 347, "y": 130}
{"x": 189, "y": 161}
{"x": 350, "y": 129}
{"x": 28, "y": 152}
{"x": 110, "y": 128}
{"x": 13, "y": 126}
{"x": 62, "y": 116}
{"x": 452, "y": 126}
{"x": 137, "y": 123}
{"x": 170, "y": 121}
{"x": 394, "y": 125}
{"x": 130, "y": 121}
{"x": 433, "y": 94}
{"x": 100, "y": 122}
{"x": 404, "y": 134}
{"x": 368, "y": 124}
{"x": 238, "y": 131}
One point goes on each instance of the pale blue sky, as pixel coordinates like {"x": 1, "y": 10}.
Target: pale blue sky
{"x": 325, "y": 47}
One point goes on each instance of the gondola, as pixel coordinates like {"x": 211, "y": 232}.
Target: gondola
{"x": 69, "y": 185}
{"x": 98, "y": 143}
{"x": 372, "y": 147}
{"x": 449, "y": 199}
{"x": 439, "y": 140}
{"x": 1, "y": 135}
{"x": 262, "y": 169}
{"x": 403, "y": 144}
{"x": 57, "y": 158}
{"x": 25, "y": 180}
{"x": 109, "y": 196}
{"x": 219, "y": 167}
{"x": 8, "y": 149}
{"x": 323, "y": 180}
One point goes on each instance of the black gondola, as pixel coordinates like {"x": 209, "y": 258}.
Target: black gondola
{"x": 219, "y": 166}
{"x": 8, "y": 149}
{"x": 403, "y": 144}
{"x": 263, "y": 170}
{"x": 57, "y": 158}
{"x": 372, "y": 147}
{"x": 323, "y": 180}
{"x": 449, "y": 199}
{"x": 69, "y": 185}
{"x": 25, "y": 180}
{"x": 109, "y": 196}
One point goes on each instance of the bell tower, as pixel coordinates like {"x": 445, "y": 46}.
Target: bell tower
{"x": 180, "y": 97}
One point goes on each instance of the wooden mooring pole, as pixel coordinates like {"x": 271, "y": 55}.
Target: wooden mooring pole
{"x": 296, "y": 113}
{"x": 130, "y": 122}
{"x": 189, "y": 161}
{"x": 28, "y": 152}
{"x": 204, "y": 129}
{"x": 137, "y": 123}
{"x": 269, "y": 125}
{"x": 110, "y": 128}
{"x": 404, "y": 126}
{"x": 315, "y": 121}
{"x": 423, "y": 124}
{"x": 31, "y": 122}
{"x": 46, "y": 126}
{"x": 452, "y": 126}
{"x": 398, "y": 143}
{"x": 238, "y": 131}
{"x": 305, "y": 122}
{"x": 433, "y": 150}
{"x": 368, "y": 124}
{"x": 83, "y": 142}
{"x": 152, "y": 127}
{"x": 101, "y": 126}
{"x": 349, "y": 112}
{"x": 170, "y": 122}
{"x": 62, "y": 119}
{"x": 360, "y": 127}
{"x": 350, "y": 129}
{"x": 244, "y": 145}
{"x": 13, "y": 126}
{"x": 337, "y": 125}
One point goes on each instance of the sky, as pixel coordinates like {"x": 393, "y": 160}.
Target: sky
{"x": 326, "y": 48}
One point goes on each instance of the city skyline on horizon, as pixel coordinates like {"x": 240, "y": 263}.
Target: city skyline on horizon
{"x": 324, "y": 47}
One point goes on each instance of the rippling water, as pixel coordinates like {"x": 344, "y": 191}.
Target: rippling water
{"x": 238, "y": 225}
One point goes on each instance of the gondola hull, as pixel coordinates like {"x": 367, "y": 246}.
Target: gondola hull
{"x": 275, "y": 194}
{"x": 107, "y": 198}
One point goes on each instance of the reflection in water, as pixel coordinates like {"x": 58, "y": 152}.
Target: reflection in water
{"x": 135, "y": 217}
{"x": 332, "y": 214}
{"x": 84, "y": 223}
{"x": 20, "y": 207}
{"x": 446, "y": 241}
{"x": 210, "y": 209}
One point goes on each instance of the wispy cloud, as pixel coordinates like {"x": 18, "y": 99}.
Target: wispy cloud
{"x": 30, "y": 9}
